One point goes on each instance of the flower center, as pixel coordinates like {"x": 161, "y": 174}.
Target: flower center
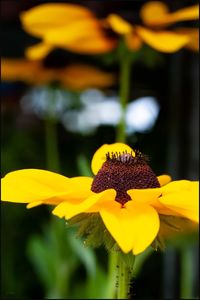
{"x": 122, "y": 172}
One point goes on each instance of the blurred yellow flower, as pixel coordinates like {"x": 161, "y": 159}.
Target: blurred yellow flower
{"x": 74, "y": 76}
{"x": 76, "y": 28}
{"x": 125, "y": 192}
{"x": 69, "y": 26}
{"x": 156, "y": 16}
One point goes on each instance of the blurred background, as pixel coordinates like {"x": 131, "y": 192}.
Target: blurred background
{"x": 59, "y": 127}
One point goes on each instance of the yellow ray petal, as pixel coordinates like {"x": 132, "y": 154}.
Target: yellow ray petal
{"x": 133, "y": 227}
{"x": 178, "y": 185}
{"x": 193, "y": 34}
{"x": 18, "y": 69}
{"x": 81, "y": 37}
{"x": 118, "y": 24}
{"x": 108, "y": 197}
{"x": 91, "y": 45}
{"x": 38, "y": 51}
{"x": 32, "y": 185}
{"x": 150, "y": 197}
{"x": 133, "y": 41}
{"x": 144, "y": 195}
{"x": 100, "y": 155}
{"x": 164, "y": 179}
{"x": 153, "y": 11}
{"x": 182, "y": 197}
{"x": 34, "y": 204}
{"x": 79, "y": 77}
{"x": 164, "y": 41}
{"x": 71, "y": 209}
{"x": 42, "y": 18}
{"x": 156, "y": 13}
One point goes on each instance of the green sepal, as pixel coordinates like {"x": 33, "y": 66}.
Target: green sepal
{"x": 93, "y": 231}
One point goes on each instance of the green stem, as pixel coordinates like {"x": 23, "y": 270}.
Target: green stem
{"x": 52, "y": 154}
{"x": 124, "y": 276}
{"x": 186, "y": 284}
{"x": 112, "y": 274}
{"x": 125, "y": 71}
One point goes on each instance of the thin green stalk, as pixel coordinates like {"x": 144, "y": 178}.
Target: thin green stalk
{"x": 124, "y": 276}
{"x": 125, "y": 71}
{"x": 112, "y": 274}
{"x": 186, "y": 284}
{"x": 52, "y": 154}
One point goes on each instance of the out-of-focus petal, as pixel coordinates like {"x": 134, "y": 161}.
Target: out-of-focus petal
{"x": 156, "y": 13}
{"x": 79, "y": 77}
{"x": 133, "y": 41}
{"x": 38, "y": 51}
{"x": 92, "y": 45}
{"x": 134, "y": 227}
{"x": 193, "y": 34}
{"x": 42, "y": 18}
{"x": 164, "y": 41}
{"x": 118, "y": 24}
{"x": 81, "y": 37}
{"x": 99, "y": 156}
{"x": 18, "y": 69}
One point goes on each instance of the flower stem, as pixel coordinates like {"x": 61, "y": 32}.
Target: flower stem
{"x": 124, "y": 277}
{"x": 53, "y": 163}
{"x": 112, "y": 274}
{"x": 125, "y": 71}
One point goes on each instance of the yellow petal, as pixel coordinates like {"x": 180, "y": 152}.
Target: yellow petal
{"x": 193, "y": 34}
{"x": 178, "y": 185}
{"x": 42, "y": 18}
{"x": 18, "y": 69}
{"x": 151, "y": 197}
{"x": 71, "y": 209}
{"x": 100, "y": 155}
{"x": 108, "y": 197}
{"x": 182, "y": 197}
{"x": 30, "y": 71}
{"x": 32, "y": 185}
{"x": 91, "y": 45}
{"x": 164, "y": 179}
{"x": 38, "y": 51}
{"x": 81, "y": 37}
{"x": 134, "y": 227}
{"x": 144, "y": 195}
{"x": 164, "y": 41}
{"x": 34, "y": 204}
{"x": 118, "y": 24}
{"x": 79, "y": 77}
{"x": 133, "y": 41}
{"x": 156, "y": 13}
{"x": 153, "y": 11}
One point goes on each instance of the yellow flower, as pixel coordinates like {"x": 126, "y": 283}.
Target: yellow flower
{"x": 74, "y": 76}
{"x": 75, "y": 28}
{"x": 156, "y": 16}
{"x": 68, "y": 26}
{"x": 124, "y": 191}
